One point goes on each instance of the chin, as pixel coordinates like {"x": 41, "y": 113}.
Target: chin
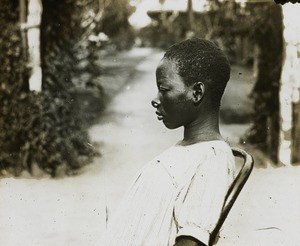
{"x": 170, "y": 125}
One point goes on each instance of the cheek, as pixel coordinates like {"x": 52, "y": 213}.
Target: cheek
{"x": 169, "y": 105}
{"x": 178, "y": 108}
{"x": 174, "y": 100}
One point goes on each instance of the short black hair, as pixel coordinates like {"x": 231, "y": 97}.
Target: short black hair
{"x": 201, "y": 60}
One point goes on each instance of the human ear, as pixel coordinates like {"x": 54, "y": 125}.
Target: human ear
{"x": 198, "y": 92}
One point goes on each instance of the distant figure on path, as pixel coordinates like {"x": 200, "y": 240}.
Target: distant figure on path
{"x": 177, "y": 198}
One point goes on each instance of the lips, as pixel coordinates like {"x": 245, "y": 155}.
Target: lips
{"x": 159, "y": 115}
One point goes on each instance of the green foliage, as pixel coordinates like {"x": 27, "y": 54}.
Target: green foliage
{"x": 47, "y": 130}
{"x": 66, "y": 52}
{"x": 68, "y": 57}
{"x": 159, "y": 36}
{"x": 169, "y": 27}
{"x": 43, "y": 131}
{"x": 115, "y": 24}
{"x": 12, "y": 65}
{"x": 115, "y": 17}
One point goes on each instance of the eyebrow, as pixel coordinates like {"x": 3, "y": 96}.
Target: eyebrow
{"x": 159, "y": 69}
{"x": 165, "y": 79}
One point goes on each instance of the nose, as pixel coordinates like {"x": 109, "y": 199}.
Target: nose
{"x": 155, "y": 102}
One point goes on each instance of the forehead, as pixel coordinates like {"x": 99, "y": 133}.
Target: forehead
{"x": 166, "y": 69}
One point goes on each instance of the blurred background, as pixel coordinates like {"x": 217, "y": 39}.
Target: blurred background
{"x": 76, "y": 81}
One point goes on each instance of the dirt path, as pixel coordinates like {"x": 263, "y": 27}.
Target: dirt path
{"x": 72, "y": 211}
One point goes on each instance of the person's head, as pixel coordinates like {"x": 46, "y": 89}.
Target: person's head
{"x": 191, "y": 80}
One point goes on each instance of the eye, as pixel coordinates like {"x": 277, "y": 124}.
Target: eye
{"x": 162, "y": 89}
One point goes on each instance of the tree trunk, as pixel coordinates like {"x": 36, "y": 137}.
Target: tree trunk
{"x": 290, "y": 90}
{"x": 33, "y": 37}
{"x": 190, "y": 13}
{"x": 23, "y": 32}
{"x": 269, "y": 41}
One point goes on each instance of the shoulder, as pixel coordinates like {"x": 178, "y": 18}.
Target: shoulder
{"x": 221, "y": 148}
{"x": 218, "y": 156}
{"x": 215, "y": 148}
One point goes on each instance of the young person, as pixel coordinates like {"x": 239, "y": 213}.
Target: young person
{"x": 177, "y": 197}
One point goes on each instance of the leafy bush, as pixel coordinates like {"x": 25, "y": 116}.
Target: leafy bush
{"x": 48, "y": 129}
{"x": 12, "y": 65}
{"x": 68, "y": 57}
{"x": 114, "y": 23}
{"x": 46, "y": 132}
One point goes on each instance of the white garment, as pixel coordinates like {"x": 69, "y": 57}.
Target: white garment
{"x": 180, "y": 192}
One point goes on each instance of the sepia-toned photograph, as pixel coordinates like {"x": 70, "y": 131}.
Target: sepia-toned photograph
{"x": 149, "y": 122}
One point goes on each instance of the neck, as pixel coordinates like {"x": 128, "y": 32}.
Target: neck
{"x": 202, "y": 130}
